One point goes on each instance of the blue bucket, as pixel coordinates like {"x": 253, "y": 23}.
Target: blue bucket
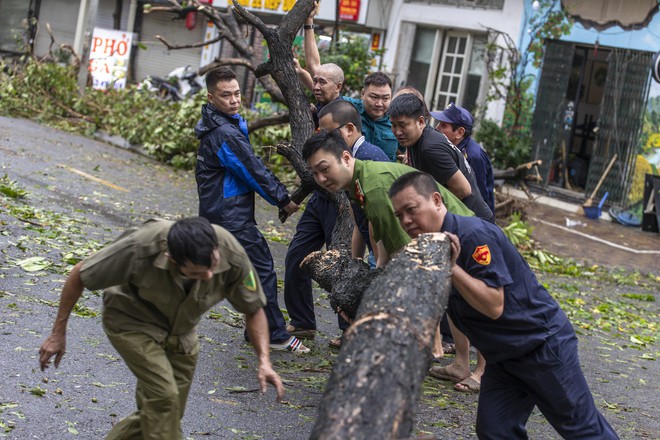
{"x": 594, "y": 212}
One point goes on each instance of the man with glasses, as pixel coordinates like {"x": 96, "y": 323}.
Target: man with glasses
{"x": 318, "y": 221}
{"x": 374, "y": 100}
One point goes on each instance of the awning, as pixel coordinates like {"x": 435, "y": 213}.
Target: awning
{"x": 603, "y": 14}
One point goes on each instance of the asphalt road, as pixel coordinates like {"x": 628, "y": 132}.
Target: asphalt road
{"x": 82, "y": 193}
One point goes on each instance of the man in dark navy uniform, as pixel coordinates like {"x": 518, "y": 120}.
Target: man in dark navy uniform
{"x": 529, "y": 344}
{"x": 456, "y": 123}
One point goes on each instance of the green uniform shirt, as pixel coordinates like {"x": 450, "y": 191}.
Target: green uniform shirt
{"x": 144, "y": 292}
{"x": 378, "y": 131}
{"x": 371, "y": 183}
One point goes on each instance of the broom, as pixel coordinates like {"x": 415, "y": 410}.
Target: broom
{"x": 590, "y": 200}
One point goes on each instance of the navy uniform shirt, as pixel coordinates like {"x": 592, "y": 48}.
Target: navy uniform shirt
{"x": 483, "y": 170}
{"x": 530, "y": 314}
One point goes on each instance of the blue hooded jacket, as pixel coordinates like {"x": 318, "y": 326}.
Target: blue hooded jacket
{"x": 228, "y": 173}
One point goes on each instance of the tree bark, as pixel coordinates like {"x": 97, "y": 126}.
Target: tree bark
{"x": 281, "y": 68}
{"x": 375, "y": 384}
{"x": 517, "y": 172}
{"x": 344, "y": 277}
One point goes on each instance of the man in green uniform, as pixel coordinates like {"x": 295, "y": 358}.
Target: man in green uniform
{"x": 159, "y": 279}
{"x": 367, "y": 183}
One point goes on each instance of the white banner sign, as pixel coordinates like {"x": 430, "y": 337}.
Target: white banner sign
{"x": 109, "y": 55}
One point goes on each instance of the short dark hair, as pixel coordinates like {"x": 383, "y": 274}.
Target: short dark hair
{"x": 342, "y": 112}
{"x": 330, "y": 141}
{"x": 192, "y": 240}
{"x": 213, "y": 77}
{"x": 423, "y": 183}
{"x": 377, "y": 79}
{"x": 407, "y": 105}
{"x": 468, "y": 131}
{"x": 410, "y": 89}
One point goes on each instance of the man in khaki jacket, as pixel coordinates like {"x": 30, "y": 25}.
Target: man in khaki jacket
{"x": 159, "y": 279}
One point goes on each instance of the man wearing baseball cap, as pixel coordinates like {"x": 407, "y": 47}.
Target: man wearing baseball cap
{"x": 432, "y": 152}
{"x": 456, "y": 123}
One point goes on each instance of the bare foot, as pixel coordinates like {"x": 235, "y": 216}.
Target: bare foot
{"x": 457, "y": 371}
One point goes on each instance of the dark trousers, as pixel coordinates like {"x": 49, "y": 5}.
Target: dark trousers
{"x": 549, "y": 377}
{"x": 314, "y": 229}
{"x": 257, "y": 249}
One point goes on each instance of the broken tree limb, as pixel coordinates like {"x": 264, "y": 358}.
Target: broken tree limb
{"x": 376, "y": 381}
{"x": 517, "y": 172}
{"x": 345, "y": 278}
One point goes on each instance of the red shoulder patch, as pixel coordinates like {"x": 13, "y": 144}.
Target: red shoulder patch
{"x": 482, "y": 255}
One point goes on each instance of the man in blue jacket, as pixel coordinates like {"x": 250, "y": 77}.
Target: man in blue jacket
{"x": 228, "y": 174}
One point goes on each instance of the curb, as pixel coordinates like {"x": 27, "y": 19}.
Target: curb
{"x": 120, "y": 142}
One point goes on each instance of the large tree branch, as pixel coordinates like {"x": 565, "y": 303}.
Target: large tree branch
{"x": 226, "y": 62}
{"x": 186, "y": 46}
{"x": 275, "y": 119}
{"x": 289, "y": 27}
{"x": 254, "y": 21}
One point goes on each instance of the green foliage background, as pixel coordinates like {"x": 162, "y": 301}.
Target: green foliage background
{"x": 48, "y": 93}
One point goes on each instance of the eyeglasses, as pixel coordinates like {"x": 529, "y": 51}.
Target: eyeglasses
{"x": 339, "y": 128}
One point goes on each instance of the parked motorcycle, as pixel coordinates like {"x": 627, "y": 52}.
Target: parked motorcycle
{"x": 179, "y": 84}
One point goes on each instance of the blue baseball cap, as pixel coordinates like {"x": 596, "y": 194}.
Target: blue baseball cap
{"x": 453, "y": 114}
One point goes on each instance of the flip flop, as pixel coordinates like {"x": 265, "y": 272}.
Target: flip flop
{"x": 440, "y": 372}
{"x": 468, "y": 385}
{"x": 301, "y": 332}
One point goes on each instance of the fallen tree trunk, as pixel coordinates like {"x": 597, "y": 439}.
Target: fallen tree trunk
{"x": 375, "y": 384}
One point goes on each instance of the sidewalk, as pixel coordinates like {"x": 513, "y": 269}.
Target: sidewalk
{"x": 560, "y": 229}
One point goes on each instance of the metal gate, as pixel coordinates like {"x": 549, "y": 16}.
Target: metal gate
{"x": 550, "y": 103}
{"x": 620, "y": 122}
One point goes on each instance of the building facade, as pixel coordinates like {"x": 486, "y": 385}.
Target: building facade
{"x": 591, "y": 98}
{"x": 438, "y": 47}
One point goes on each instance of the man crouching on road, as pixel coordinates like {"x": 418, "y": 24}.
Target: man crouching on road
{"x": 159, "y": 279}
{"x": 529, "y": 345}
